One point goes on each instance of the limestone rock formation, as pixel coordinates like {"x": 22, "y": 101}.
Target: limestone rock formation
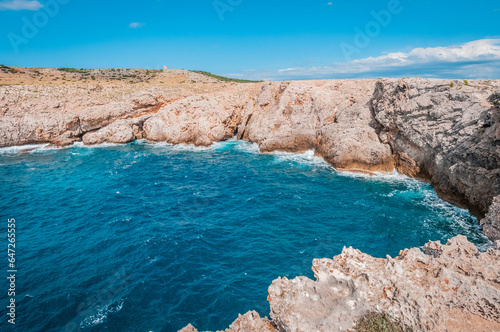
{"x": 447, "y": 133}
{"x": 189, "y": 328}
{"x": 62, "y": 115}
{"x": 424, "y": 290}
{"x": 197, "y": 120}
{"x": 333, "y": 117}
{"x": 249, "y": 322}
{"x": 119, "y": 131}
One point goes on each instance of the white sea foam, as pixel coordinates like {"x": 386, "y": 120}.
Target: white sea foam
{"x": 23, "y": 148}
{"x": 423, "y": 194}
{"x": 101, "y": 315}
{"x": 241, "y": 146}
{"x": 392, "y": 176}
{"x": 252, "y": 148}
{"x": 307, "y": 158}
{"x": 173, "y": 147}
{"x": 97, "y": 146}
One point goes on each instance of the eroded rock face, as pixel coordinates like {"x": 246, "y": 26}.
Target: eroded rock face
{"x": 120, "y": 131}
{"x": 249, "y": 322}
{"x": 491, "y": 223}
{"x": 198, "y": 120}
{"x": 189, "y": 328}
{"x": 448, "y": 134}
{"x": 419, "y": 288}
{"x": 332, "y": 117}
{"x": 62, "y": 115}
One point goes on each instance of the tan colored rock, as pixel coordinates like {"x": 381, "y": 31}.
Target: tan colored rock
{"x": 194, "y": 120}
{"x": 332, "y": 117}
{"x": 421, "y": 290}
{"x": 251, "y": 322}
{"x": 405, "y": 164}
{"x": 120, "y": 131}
{"x": 63, "y": 114}
{"x": 189, "y": 328}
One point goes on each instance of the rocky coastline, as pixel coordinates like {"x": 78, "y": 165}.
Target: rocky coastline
{"x": 450, "y": 287}
{"x": 446, "y": 132}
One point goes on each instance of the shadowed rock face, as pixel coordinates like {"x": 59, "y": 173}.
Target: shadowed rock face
{"x": 491, "y": 223}
{"x": 447, "y": 135}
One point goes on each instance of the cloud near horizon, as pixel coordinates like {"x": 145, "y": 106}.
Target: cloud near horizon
{"x": 20, "y": 5}
{"x": 475, "y": 59}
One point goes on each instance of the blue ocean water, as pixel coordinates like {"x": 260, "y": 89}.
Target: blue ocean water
{"x": 151, "y": 237}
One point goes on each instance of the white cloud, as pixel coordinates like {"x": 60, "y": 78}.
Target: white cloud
{"x": 20, "y": 5}
{"x": 480, "y": 58}
{"x": 135, "y": 25}
{"x": 479, "y": 50}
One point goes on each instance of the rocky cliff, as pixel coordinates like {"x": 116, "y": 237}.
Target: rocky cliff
{"x": 332, "y": 117}
{"x": 450, "y": 287}
{"x": 445, "y": 132}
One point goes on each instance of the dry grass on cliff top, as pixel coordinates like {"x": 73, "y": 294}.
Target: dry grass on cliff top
{"x": 171, "y": 78}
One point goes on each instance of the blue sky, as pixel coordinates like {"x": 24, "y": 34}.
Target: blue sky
{"x": 258, "y": 39}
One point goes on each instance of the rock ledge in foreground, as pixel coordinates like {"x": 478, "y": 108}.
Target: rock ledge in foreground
{"x": 451, "y": 287}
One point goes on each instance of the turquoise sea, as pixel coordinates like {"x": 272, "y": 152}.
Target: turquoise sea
{"x": 151, "y": 237}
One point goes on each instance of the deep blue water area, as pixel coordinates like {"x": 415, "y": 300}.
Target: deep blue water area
{"x": 151, "y": 237}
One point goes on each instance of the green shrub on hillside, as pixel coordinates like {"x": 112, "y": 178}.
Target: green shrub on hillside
{"x": 9, "y": 69}
{"x": 73, "y": 70}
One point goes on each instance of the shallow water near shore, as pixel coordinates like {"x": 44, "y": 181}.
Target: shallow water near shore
{"x": 151, "y": 237}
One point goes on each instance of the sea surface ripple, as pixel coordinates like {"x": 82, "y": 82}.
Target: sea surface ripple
{"x": 151, "y": 237}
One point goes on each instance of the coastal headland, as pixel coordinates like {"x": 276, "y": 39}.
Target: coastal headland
{"x": 445, "y": 132}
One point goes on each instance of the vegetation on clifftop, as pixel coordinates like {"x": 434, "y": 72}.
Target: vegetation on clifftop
{"x": 73, "y": 70}
{"x": 8, "y": 69}
{"x": 222, "y": 78}
{"x": 379, "y": 322}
